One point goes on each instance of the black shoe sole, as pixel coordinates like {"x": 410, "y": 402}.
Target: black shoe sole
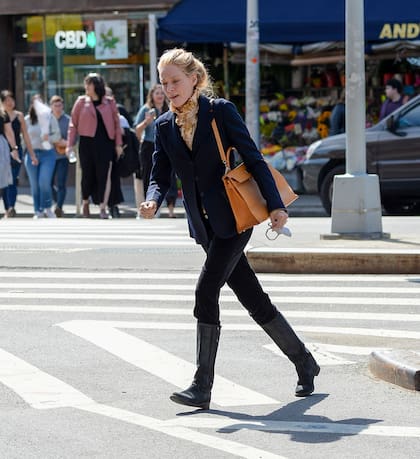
{"x": 185, "y": 401}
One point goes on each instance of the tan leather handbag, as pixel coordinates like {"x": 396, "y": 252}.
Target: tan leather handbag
{"x": 248, "y": 205}
{"x": 60, "y": 149}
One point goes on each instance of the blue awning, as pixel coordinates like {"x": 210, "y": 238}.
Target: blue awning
{"x": 299, "y": 21}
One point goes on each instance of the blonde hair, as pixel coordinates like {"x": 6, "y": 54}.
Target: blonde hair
{"x": 190, "y": 65}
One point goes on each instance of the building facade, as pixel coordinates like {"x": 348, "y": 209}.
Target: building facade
{"x": 50, "y": 49}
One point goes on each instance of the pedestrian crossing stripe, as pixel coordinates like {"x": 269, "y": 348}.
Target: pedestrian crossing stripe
{"x": 187, "y": 287}
{"x": 301, "y": 278}
{"x": 89, "y": 231}
{"x": 224, "y": 298}
{"x": 161, "y": 311}
{"x": 266, "y": 425}
{"x": 383, "y": 333}
{"x": 143, "y": 242}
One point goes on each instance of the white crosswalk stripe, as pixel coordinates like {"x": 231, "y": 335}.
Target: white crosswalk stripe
{"x": 93, "y": 233}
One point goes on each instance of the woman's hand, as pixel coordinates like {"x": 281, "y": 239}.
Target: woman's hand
{"x": 148, "y": 209}
{"x": 119, "y": 150}
{"x": 15, "y": 155}
{"x": 34, "y": 159}
{"x": 149, "y": 117}
{"x": 278, "y": 218}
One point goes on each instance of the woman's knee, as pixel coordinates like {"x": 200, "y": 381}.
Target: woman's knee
{"x": 44, "y": 184}
{"x": 206, "y": 307}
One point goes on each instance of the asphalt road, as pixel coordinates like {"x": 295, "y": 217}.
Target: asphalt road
{"x": 96, "y": 333}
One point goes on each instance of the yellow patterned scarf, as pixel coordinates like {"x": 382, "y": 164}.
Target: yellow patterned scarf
{"x": 186, "y": 118}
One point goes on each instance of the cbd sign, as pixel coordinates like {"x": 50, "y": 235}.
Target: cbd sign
{"x": 70, "y": 39}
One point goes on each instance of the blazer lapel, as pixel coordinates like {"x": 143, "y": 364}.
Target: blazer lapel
{"x": 205, "y": 115}
{"x": 174, "y": 135}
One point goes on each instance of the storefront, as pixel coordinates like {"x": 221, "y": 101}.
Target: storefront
{"x": 49, "y": 48}
{"x": 53, "y": 54}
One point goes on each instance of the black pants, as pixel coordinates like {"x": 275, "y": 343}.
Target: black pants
{"x": 226, "y": 262}
{"x": 95, "y": 160}
{"x": 146, "y": 154}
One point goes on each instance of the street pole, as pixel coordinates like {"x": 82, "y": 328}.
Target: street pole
{"x": 252, "y": 84}
{"x": 356, "y": 204}
{"x": 152, "y": 50}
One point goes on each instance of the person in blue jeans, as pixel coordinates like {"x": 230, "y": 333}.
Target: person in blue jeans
{"x": 59, "y": 178}
{"x": 40, "y": 174}
{"x": 19, "y": 128}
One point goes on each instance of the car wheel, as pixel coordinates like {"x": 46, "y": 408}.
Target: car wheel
{"x": 326, "y": 190}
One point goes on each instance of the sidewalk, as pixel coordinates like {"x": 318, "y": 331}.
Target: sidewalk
{"x": 128, "y": 209}
{"x": 313, "y": 250}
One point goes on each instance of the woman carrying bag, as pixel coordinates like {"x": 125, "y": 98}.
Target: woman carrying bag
{"x": 185, "y": 142}
{"x": 95, "y": 120}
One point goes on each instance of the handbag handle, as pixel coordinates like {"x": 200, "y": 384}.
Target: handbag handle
{"x": 222, "y": 153}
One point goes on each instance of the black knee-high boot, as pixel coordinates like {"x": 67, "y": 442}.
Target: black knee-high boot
{"x": 199, "y": 393}
{"x": 286, "y": 339}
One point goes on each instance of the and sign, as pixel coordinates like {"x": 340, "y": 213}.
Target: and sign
{"x": 400, "y": 31}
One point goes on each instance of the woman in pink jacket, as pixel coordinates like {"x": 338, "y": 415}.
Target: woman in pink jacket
{"x": 95, "y": 120}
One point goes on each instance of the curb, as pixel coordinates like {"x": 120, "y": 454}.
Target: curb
{"x": 334, "y": 261}
{"x": 398, "y": 367}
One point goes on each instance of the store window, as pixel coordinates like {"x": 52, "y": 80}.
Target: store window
{"x": 68, "y": 47}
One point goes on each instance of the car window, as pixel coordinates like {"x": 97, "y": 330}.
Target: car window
{"x": 410, "y": 118}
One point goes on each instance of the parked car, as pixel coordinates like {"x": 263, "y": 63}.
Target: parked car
{"x": 392, "y": 152}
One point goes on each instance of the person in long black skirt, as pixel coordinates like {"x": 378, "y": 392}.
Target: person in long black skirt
{"x": 95, "y": 119}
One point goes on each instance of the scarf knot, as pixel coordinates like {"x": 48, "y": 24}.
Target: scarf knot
{"x": 186, "y": 118}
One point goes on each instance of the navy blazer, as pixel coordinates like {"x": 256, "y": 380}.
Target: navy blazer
{"x": 200, "y": 170}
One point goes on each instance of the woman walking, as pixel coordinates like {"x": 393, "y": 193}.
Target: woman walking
{"x": 185, "y": 142}
{"x": 145, "y": 129}
{"x": 40, "y": 168}
{"x": 17, "y": 121}
{"x": 95, "y": 119}
{"x": 6, "y": 138}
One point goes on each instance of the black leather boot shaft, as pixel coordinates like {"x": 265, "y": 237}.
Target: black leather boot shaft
{"x": 286, "y": 339}
{"x": 284, "y": 336}
{"x": 199, "y": 393}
